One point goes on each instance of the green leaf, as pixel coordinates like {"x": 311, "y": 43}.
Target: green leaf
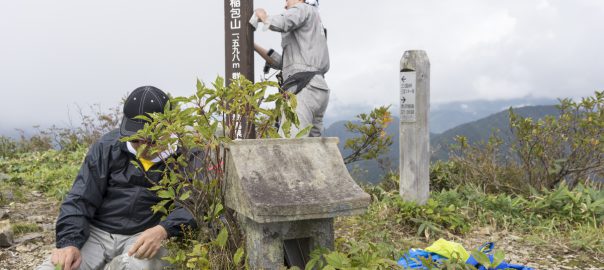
{"x": 165, "y": 194}
{"x": 498, "y": 257}
{"x": 222, "y": 237}
{"x": 238, "y": 256}
{"x": 304, "y": 132}
{"x": 199, "y": 85}
{"x": 337, "y": 260}
{"x": 481, "y": 258}
{"x": 421, "y": 229}
{"x": 143, "y": 117}
{"x": 273, "y": 133}
{"x": 311, "y": 264}
{"x": 293, "y": 101}
{"x": 155, "y": 188}
{"x": 286, "y": 127}
{"x": 185, "y": 195}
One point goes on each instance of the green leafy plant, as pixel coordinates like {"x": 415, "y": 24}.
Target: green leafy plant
{"x": 443, "y": 175}
{"x": 371, "y": 140}
{"x": 541, "y": 153}
{"x": 200, "y": 126}
{"x": 484, "y": 165}
{"x": 8, "y": 147}
{"x": 587, "y": 238}
{"x": 357, "y": 256}
{"x": 568, "y": 149}
{"x": 483, "y": 258}
{"x": 51, "y": 171}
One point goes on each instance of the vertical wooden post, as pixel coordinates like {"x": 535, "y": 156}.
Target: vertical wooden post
{"x": 239, "y": 39}
{"x": 239, "y": 45}
{"x": 414, "y": 132}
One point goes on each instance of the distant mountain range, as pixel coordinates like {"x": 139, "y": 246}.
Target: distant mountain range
{"x": 481, "y": 130}
{"x": 472, "y": 119}
{"x": 444, "y": 116}
{"x": 478, "y": 130}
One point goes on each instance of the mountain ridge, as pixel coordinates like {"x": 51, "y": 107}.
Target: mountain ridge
{"x": 478, "y": 130}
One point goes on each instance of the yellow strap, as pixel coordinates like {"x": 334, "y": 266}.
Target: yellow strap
{"x": 146, "y": 163}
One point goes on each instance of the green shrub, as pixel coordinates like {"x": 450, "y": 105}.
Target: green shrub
{"x": 572, "y": 207}
{"x": 443, "y": 213}
{"x": 199, "y": 125}
{"x": 356, "y": 256}
{"x": 561, "y": 208}
{"x": 483, "y": 165}
{"x": 587, "y": 238}
{"x": 38, "y": 142}
{"x": 567, "y": 149}
{"x": 443, "y": 175}
{"x": 372, "y": 140}
{"x": 542, "y": 153}
{"x": 51, "y": 171}
{"x": 8, "y": 147}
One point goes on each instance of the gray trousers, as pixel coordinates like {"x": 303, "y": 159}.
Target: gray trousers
{"x": 312, "y": 103}
{"x": 108, "y": 251}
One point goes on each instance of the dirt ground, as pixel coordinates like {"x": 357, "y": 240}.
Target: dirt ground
{"x": 520, "y": 251}
{"x": 31, "y": 249}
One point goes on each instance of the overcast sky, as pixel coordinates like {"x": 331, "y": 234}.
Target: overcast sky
{"x": 55, "y": 54}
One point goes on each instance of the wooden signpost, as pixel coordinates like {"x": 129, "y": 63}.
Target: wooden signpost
{"x": 414, "y": 135}
{"x": 239, "y": 39}
{"x": 239, "y": 44}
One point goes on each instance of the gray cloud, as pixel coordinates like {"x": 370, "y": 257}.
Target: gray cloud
{"x": 55, "y": 54}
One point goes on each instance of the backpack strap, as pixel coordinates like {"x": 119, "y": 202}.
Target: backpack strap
{"x": 295, "y": 83}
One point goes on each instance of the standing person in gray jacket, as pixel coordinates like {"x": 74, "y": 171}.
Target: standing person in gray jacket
{"x": 304, "y": 61}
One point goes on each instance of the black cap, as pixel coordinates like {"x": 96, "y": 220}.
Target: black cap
{"x": 143, "y": 100}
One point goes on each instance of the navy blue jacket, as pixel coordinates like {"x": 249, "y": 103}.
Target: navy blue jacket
{"x": 113, "y": 194}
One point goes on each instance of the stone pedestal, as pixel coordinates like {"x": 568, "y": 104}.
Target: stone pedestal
{"x": 289, "y": 189}
{"x": 265, "y": 240}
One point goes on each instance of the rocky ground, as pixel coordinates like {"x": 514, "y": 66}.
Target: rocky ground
{"x": 518, "y": 249}
{"x": 31, "y": 248}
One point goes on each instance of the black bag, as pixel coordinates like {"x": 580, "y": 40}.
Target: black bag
{"x": 295, "y": 83}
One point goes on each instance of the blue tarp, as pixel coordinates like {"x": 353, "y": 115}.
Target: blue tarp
{"x": 412, "y": 259}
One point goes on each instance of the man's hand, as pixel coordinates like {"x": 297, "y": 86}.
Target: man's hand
{"x": 68, "y": 257}
{"x": 261, "y": 14}
{"x": 148, "y": 243}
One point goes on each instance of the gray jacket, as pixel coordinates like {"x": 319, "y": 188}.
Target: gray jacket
{"x": 304, "y": 43}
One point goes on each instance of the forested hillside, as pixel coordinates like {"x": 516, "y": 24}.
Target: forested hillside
{"x": 475, "y": 131}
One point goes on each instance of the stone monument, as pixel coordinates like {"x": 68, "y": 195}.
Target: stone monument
{"x": 286, "y": 189}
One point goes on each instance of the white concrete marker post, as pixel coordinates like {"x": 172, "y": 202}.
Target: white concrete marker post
{"x": 414, "y": 133}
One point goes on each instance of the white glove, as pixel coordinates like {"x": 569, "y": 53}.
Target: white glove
{"x": 314, "y": 3}
{"x": 254, "y": 22}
